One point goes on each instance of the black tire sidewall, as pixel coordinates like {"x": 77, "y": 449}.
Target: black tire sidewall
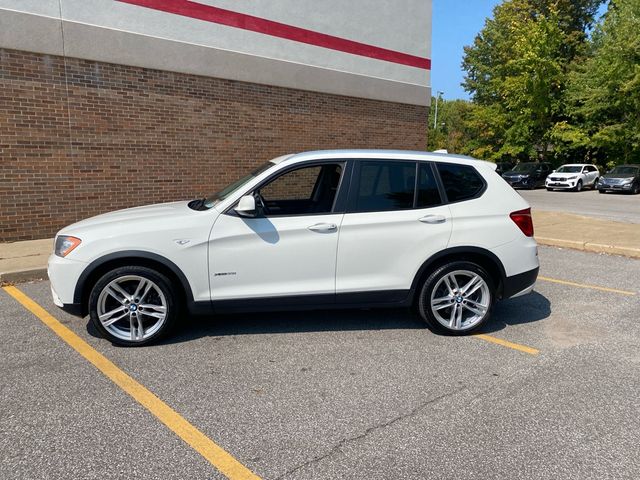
{"x": 424, "y": 299}
{"x": 163, "y": 283}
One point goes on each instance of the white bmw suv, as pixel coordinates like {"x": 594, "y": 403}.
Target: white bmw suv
{"x": 350, "y": 228}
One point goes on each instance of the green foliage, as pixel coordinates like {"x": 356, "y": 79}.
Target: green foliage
{"x": 517, "y": 71}
{"x": 603, "y": 97}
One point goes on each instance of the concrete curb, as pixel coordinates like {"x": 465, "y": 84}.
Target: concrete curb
{"x": 26, "y": 275}
{"x": 590, "y": 247}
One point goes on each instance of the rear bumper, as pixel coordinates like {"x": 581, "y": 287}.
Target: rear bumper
{"x": 519, "y": 284}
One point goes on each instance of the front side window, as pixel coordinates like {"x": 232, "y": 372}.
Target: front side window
{"x": 461, "y": 182}
{"x": 303, "y": 191}
{"x": 384, "y": 186}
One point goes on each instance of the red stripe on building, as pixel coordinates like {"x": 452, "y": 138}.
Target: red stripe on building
{"x": 230, "y": 18}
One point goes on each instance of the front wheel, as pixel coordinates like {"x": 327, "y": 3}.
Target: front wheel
{"x": 578, "y": 186}
{"x": 457, "y": 298}
{"x": 133, "y": 306}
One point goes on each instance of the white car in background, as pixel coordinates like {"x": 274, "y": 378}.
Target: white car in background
{"x": 573, "y": 176}
{"x": 329, "y": 229}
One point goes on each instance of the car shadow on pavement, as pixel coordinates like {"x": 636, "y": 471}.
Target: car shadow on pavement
{"x": 527, "y": 309}
{"x": 516, "y": 311}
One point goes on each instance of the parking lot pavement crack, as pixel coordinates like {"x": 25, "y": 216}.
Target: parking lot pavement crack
{"x": 336, "y": 449}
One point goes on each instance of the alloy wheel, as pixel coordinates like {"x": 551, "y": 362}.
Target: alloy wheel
{"x": 460, "y": 300}
{"x": 132, "y": 308}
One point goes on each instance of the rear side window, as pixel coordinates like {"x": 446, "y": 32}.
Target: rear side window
{"x": 428, "y": 194}
{"x": 461, "y": 182}
{"x": 385, "y": 185}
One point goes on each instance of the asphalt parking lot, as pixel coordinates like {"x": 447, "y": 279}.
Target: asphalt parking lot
{"x": 368, "y": 394}
{"x": 618, "y": 207}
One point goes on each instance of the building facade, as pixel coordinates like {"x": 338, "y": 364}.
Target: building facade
{"x": 106, "y": 104}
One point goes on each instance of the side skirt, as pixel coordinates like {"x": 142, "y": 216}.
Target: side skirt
{"x": 378, "y": 299}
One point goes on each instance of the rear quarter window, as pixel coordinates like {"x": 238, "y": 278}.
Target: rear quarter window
{"x": 461, "y": 182}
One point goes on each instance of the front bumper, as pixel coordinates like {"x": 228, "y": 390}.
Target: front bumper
{"x": 64, "y": 274}
{"x": 615, "y": 188}
{"x": 519, "y": 183}
{"x": 561, "y": 184}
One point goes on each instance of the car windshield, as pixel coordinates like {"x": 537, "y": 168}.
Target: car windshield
{"x": 625, "y": 170}
{"x": 524, "y": 167}
{"x": 569, "y": 169}
{"x": 232, "y": 187}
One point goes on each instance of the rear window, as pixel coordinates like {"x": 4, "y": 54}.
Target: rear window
{"x": 461, "y": 182}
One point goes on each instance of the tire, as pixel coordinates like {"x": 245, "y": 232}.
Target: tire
{"x": 449, "y": 312}
{"x": 154, "y": 313}
{"x": 636, "y": 189}
{"x": 601, "y": 191}
{"x": 595, "y": 183}
{"x": 578, "y": 186}
{"x": 549, "y": 189}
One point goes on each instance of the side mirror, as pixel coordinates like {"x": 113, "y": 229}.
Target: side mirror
{"x": 246, "y": 206}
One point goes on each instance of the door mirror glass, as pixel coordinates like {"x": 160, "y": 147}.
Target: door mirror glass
{"x": 246, "y": 206}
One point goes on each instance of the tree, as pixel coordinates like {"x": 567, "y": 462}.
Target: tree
{"x": 517, "y": 71}
{"x": 454, "y": 131}
{"x": 604, "y": 89}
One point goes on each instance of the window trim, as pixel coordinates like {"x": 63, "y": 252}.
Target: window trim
{"x": 339, "y": 203}
{"x": 443, "y": 192}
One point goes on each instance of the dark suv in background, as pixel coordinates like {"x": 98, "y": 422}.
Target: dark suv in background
{"x": 528, "y": 175}
{"x": 502, "y": 167}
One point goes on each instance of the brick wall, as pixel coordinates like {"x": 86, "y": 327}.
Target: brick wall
{"x": 78, "y": 138}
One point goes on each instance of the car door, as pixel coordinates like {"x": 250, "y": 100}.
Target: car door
{"x": 289, "y": 250}
{"x": 395, "y": 220}
{"x": 592, "y": 174}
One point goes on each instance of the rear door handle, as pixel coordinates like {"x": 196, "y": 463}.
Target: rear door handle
{"x": 323, "y": 227}
{"x": 433, "y": 219}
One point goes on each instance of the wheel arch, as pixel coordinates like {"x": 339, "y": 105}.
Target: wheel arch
{"x": 102, "y": 265}
{"x": 481, "y": 256}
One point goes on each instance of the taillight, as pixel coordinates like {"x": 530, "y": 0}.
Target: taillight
{"x": 522, "y": 218}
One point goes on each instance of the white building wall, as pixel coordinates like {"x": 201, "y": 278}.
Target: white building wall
{"x": 120, "y": 32}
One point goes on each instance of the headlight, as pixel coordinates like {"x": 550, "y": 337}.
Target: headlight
{"x": 627, "y": 181}
{"x": 65, "y": 244}
{"x": 572, "y": 178}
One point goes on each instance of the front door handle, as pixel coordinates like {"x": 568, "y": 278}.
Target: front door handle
{"x": 433, "y": 219}
{"x": 323, "y": 227}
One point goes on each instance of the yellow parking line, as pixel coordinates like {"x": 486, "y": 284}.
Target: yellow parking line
{"x": 505, "y": 343}
{"x": 584, "y": 285}
{"x": 213, "y": 453}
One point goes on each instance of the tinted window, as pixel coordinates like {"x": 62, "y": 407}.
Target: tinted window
{"x": 461, "y": 182}
{"x": 385, "y": 185}
{"x": 428, "y": 194}
{"x": 303, "y": 191}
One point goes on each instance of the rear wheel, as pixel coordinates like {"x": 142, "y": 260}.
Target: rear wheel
{"x": 595, "y": 183}
{"x": 133, "y": 305}
{"x": 457, "y": 298}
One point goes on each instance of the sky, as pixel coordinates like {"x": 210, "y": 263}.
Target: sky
{"x": 455, "y": 24}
